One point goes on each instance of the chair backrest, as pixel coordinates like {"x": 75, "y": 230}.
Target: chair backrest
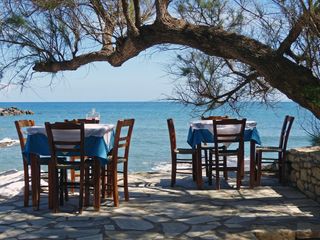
{"x": 214, "y": 117}
{"x": 172, "y": 134}
{"x": 228, "y": 131}
{"x": 66, "y": 137}
{"x": 19, "y": 126}
{"x": 122, "y": 139}
{"x": 285, "y": 131}
{"x": 83, "y": 120}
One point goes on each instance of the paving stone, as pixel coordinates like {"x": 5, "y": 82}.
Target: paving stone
{"x": 5, "y": 208}
{"x": 198, "y": 219}
{"x": 77, "y": 233}
{"x": 199, "y": 230}
{"x": 11, "y": 233}
{"x": 133, "y": 235}
{"x": 93, "y": 237}
{"x": 156, "y": 218}
{"x": 109, "y": 227}
{"x": 77, "y": 224}
{"x": 4, "y": 228}
{"x": 132, "y": 223}
{"x": 238, "y": 220}
{"x": 173, "y": 229}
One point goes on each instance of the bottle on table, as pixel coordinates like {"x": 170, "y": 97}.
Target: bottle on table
{"x": 93, "y": 115}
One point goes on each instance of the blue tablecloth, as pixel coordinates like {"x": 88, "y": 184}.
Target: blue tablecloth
{"x": 94, "y": 147}
{"x": 198, "y": 136}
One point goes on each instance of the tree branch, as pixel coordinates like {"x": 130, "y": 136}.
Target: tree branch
{"x": 132, "y": 29}
{"x": 137, "y": 13}
{"x": 292, "y": 36}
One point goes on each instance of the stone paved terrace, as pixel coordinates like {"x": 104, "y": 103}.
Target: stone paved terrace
{"x": 156, "y": 211}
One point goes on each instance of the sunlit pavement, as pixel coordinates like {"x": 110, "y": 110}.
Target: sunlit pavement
{"x": 157, "y": 211}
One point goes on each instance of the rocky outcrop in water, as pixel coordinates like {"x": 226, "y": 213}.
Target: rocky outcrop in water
{"x": 10, "y": 111}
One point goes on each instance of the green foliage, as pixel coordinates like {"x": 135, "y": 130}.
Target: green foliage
{"x": 15, "y": 20}
{"x": 312, "y": 94}
{"x": 52, "y": 4}
{"x": 315, "y": 140}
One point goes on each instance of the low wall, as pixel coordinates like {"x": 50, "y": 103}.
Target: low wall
{"x": 303, "y": 170}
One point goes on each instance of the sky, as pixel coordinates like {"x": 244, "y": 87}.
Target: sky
{"x": 142, "y": 78}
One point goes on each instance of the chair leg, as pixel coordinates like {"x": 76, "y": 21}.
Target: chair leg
{"x": 282, "y": 158}
{"x": 259, "y": 163}
{"x": 225, "y": 172}
{"x": 37, "y": 176}
{"x": 65, "y": 180}
{"x": 87, "y": 185}
{"x": 72, "y": 176}
{"x": 26, "y": 184}
{"x": 115, "y": 185}
{"x": 61, "y": 186}
{"x": 109, "y": 180}
{"x": 239, "y": 172}
{"x": 173, "y": 170}
{"x": 210, "y": 162}
{"x": 217, "y": 173}
{"x": 81, "y": 187}
{"x": 103, "y": 182}
{"x": 194, "y": 176}
{"x": 55, "y": 196}
{"x": 206, "y": 159}
{"x": 125, "y": 181}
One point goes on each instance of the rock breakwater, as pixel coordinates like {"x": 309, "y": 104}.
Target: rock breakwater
{"x": 11, "y": 111}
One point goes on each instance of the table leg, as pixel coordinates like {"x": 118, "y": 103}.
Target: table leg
{"x": 34, "y": 181}
{"x": 97, "y": 184}
{"x": 252, "y": 163}
{"x": 198, "y": 166}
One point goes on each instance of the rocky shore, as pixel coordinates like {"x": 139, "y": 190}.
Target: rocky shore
{"x": 11, "y": 111}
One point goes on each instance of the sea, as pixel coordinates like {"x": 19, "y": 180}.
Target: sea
{"x": 150, "y": 147}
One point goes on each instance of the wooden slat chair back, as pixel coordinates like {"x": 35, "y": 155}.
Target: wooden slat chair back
{"x": 83, "y": 120}
{"x": 280, "y": 151}
{"x": 73, "y": 173}
{"x": 222, "y": 137}
{"x": 206, "y": 148}
{"x": 58, "y": 145}
{"x": 20, "y": 126}
{"x": 214, "y": 117}
{"x": 119, "y": 155}
{"x": 179, "y": 156}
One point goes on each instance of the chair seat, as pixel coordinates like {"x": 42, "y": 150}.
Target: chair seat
{"x": 184, "y": 150}
{"x": 69, "y": 165}
{"x": 268, "y": 149}
{"x": 45, "y": 160}
{"x": 224, "y": 152}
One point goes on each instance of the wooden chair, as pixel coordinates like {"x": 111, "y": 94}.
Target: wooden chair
{"x": 119, "y": 155}
{"x": 73, "y": 173}
{"x": 206, "y": 148}
{"x": 221, "y": 138}
{"x": 176, "y": 152}
{"x": 58, "y": 171}
{"x": 20, "y": 126}
{"x": 280, "y": 150}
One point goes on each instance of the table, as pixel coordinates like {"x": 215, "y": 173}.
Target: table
{"x": 98, "y": 143}
{"x": 201, "y": 131}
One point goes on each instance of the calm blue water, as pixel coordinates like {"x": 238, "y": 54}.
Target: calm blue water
{"x": 150, "y": 142}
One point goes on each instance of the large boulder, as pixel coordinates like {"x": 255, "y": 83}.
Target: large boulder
{"x": 14, "y": 111}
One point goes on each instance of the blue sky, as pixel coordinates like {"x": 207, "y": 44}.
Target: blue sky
{"x": 142, "y": 78}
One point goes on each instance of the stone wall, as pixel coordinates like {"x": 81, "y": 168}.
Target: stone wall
{"x": 303, "y": 170}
